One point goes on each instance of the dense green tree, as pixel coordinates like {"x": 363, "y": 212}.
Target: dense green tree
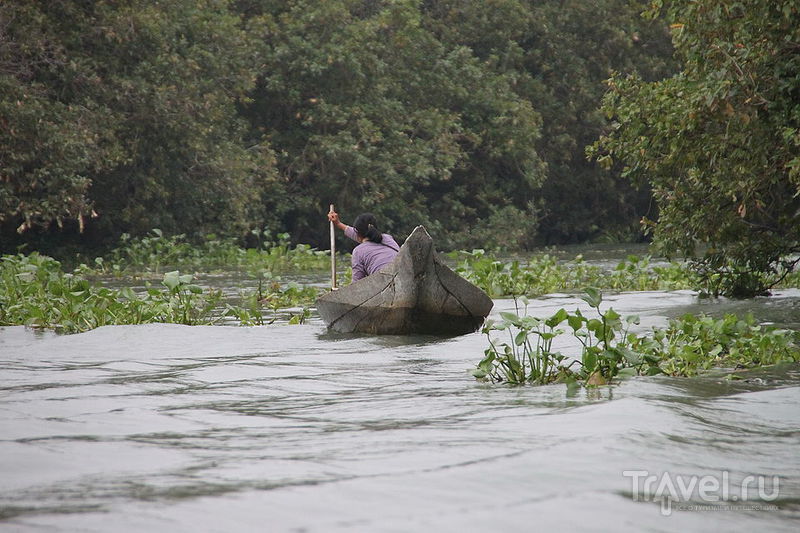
{"x": 222, "y": 115}
{"x": 560, "y": 53}
{"x": 129, "y": 109}
{"x": 49, "y": 144}
{"x": 720, "y": 141}
{"x": 366, "y": 108}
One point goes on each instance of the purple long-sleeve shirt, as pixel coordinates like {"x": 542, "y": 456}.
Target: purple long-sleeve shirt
{"x": 370, "y": 257}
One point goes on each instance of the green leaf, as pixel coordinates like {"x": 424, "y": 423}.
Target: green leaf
{"x": 592, "y": 296}
{"x": 589, "y": 361}
{"x": 631, "y": 357}
{"x": 511, "y": 318}
{"x": 171, "y": 280}
{"x": 627, "y": 372}
{"x": 560, "y": 316}
{"x": 575, "y": 322}
{"x": 595, "y": 326}
{"x": 632, "y": 319}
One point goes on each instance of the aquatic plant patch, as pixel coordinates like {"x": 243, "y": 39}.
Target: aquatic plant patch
{"x": 271, "y": 299}
{"x": 544, "y": 274}
{"x": 156, "y": 253}
{"x": 692, "y": 344}
{"x": 36, "y": 292}
{"x": 685, "y": 347}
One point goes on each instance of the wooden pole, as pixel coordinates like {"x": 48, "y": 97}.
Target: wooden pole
{"x": 333, "y": 254}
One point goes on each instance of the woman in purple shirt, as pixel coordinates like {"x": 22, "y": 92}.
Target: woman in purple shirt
{"x": 376, "y": 249}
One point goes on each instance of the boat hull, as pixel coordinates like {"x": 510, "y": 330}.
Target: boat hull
{"x": 415, "y": 294}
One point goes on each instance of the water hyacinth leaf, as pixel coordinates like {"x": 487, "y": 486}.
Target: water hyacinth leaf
{"x": 486, "y": 366}
{"x": 631, "y": 357}
{"x": 171, "y": 280}
{"x": 520, "y": 338}
{"x": 511, "y": 318}
{"x": 594, "y": 325}
{"x": 195, "y": 289}
{"x": 627, "y": 372}
{"x": 650, "y": 358}
{"x": 575, "y": 322}
{"x": 612, "y": 354}
{"x": 592, "y": 296}
{"x": 690, "y": 353}
{"x": 127, "y": 292}
{"x": 632, "y": 319}
{"x": 589, "y": 360}
{"x": 529, "y": 322}
{"x": 478, "y": 373}
{"x": 560, "y": 316}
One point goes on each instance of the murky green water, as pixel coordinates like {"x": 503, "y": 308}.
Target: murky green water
{"x": 290, "y": 428}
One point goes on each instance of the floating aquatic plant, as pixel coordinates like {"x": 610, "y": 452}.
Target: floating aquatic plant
{"x": 685, "y": 347}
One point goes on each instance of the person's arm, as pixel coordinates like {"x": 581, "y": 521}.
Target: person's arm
{"x": 333, "y": 216}
{"x": 349, "y": 231}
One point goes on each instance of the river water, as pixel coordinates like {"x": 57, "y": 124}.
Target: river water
{"x": 291, "y": 428}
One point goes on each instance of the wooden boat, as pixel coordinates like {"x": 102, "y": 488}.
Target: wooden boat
{"x": 415, "y": 293}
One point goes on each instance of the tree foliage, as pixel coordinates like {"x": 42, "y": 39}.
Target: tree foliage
{"x": 368, "y": 109}
{"x": 719, "y": 142}
{"x": 128, "y": 109}
{"x": 229, "y": 116}
{"x": 560, "y": 53}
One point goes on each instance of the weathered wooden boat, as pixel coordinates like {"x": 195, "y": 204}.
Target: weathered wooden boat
{"x": 415, "y": 293}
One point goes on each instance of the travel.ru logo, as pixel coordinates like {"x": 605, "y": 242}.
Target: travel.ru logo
{"x": 703, "y": 493}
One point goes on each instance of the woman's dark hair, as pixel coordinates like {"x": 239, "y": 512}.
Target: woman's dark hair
{"x": 367, "y": 226}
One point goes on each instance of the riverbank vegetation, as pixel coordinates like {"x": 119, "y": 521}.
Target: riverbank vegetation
{"x": 155, "y": 252}
{"x": 36, "y": 292}
{"x": 687, "y": 346}
{"x": 40, "y": 291}
{"x": 472, "y": 118}
{"x": 718, "y": 142}
{"x": 544, "y": 274}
